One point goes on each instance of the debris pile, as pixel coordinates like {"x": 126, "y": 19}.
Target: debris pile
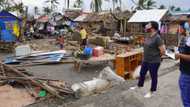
{"x": 37, "y": 87}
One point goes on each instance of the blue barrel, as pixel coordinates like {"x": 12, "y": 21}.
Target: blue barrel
{"x": 88, "y": 51}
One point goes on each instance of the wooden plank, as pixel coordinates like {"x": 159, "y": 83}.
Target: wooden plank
{"x": 37, "y": 83}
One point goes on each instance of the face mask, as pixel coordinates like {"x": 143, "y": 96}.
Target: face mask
{"x": 148, "y": 27}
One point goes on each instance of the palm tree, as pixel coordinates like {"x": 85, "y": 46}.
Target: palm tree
{"x": 150, "y": 4}
{"x": 172, "y": 8}
{"x": 162, "y": 7}
{"x": 78, "y": 3}
{"x": 17, "y": 7}
{"x": 36, "y": 10}
{"x": 114, "y": 2}
{"x": 120, "y": 3}
{"x": 96, "y": 5}
{"x": 178, "y": 9}
{"x": 5, "y": 5}
{"x": 53, "y": 4}
{"x": 46, "y": 10}
{"x": 144, "y": 4}
{"x": 68, "y": 4}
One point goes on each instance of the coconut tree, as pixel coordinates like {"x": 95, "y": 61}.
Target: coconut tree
{"x": 53, "y": 4}
{"x": 6, "y": 4}
{"x": 78, "y": 4}
{"x": 17, "y": 7}
{"x": 172, "y": 8}
{"x": 144, "y": 4}
{"x": 162, "y": 7}
{"x": 178, "y": 9}
{"x": 68, "y": 4}
{"x": 150, "y": 4}
{"x": 36, "y": 10}
{"x": 46, "y": 10}
{"x": 114, "y": 2}
{"x": 96, "y": 5}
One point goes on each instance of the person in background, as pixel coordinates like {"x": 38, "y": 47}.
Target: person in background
{"x": 31, "y": 29}
{"x": 153, "y": 50}
{"x": 187, "y": 26}
{"x": 184, "y": 56}
{"x": 83, "y": 35}
{"x": 60, "y": 41}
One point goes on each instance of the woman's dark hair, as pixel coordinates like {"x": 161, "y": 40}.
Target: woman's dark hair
{"x": 154, "y": 25}
{"x": 188, "y": 16}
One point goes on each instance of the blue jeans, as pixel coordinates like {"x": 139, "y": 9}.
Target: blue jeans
{"x": 153, "y": 69}
{"x": 184, "y": 84}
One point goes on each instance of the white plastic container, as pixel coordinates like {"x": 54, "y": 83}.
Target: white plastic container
{"x": 23, "y": 50}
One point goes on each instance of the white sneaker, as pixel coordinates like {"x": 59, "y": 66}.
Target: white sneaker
{"x": 133, "y": 88}
{"x": 149, "y": 95}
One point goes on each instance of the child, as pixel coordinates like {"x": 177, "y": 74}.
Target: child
{"x": 60, "y": 40}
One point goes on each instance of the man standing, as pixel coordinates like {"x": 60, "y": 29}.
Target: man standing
{"x": 83, "y": 35}
{"x": 153, "y": 50}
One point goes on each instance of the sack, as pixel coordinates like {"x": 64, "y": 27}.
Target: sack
{"x": 108, "y": 74}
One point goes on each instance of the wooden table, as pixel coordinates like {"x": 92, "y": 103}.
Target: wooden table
{"x": 126, "y": 63}
{"x": 104, "y": 58}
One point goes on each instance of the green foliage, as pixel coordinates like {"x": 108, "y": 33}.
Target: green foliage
{"x": 53, "y": 4}
{"x": 145, "y": 4}
{"x": 11, "y": 6}
{"x": 78, "y": 4}
{"x": 178, "y": 9}
{"x": 47, "y": 10}
{"x": 172, "y": 8}
{"x": 162, "y": 7}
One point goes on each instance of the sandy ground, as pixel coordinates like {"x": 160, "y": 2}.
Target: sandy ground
{"x": 13, "y": 97}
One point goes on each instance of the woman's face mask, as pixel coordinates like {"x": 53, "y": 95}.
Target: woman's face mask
{"x": 148, "y": 27}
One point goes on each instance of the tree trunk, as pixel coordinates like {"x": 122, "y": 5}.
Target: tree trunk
{"x": 68, "y": 4}
{"x": 113, "y": 2}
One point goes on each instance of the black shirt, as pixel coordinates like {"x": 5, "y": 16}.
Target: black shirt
{"x": 151, "y": 49}
{"x": 184, "y": 64}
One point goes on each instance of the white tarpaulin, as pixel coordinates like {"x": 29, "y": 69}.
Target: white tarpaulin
{"x": 148, "y": 15}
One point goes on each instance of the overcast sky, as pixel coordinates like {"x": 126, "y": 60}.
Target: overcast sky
{"x": 127, "y": 4}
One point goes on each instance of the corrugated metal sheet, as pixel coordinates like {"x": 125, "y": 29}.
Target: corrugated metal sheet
{"x": 148, "y": 15}
{"x": 81, "y": 18}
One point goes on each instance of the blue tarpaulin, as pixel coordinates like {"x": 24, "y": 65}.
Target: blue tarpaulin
{"x": 6, "y": 16}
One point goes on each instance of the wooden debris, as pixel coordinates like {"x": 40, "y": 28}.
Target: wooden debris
{"x": 12, "y": 73}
